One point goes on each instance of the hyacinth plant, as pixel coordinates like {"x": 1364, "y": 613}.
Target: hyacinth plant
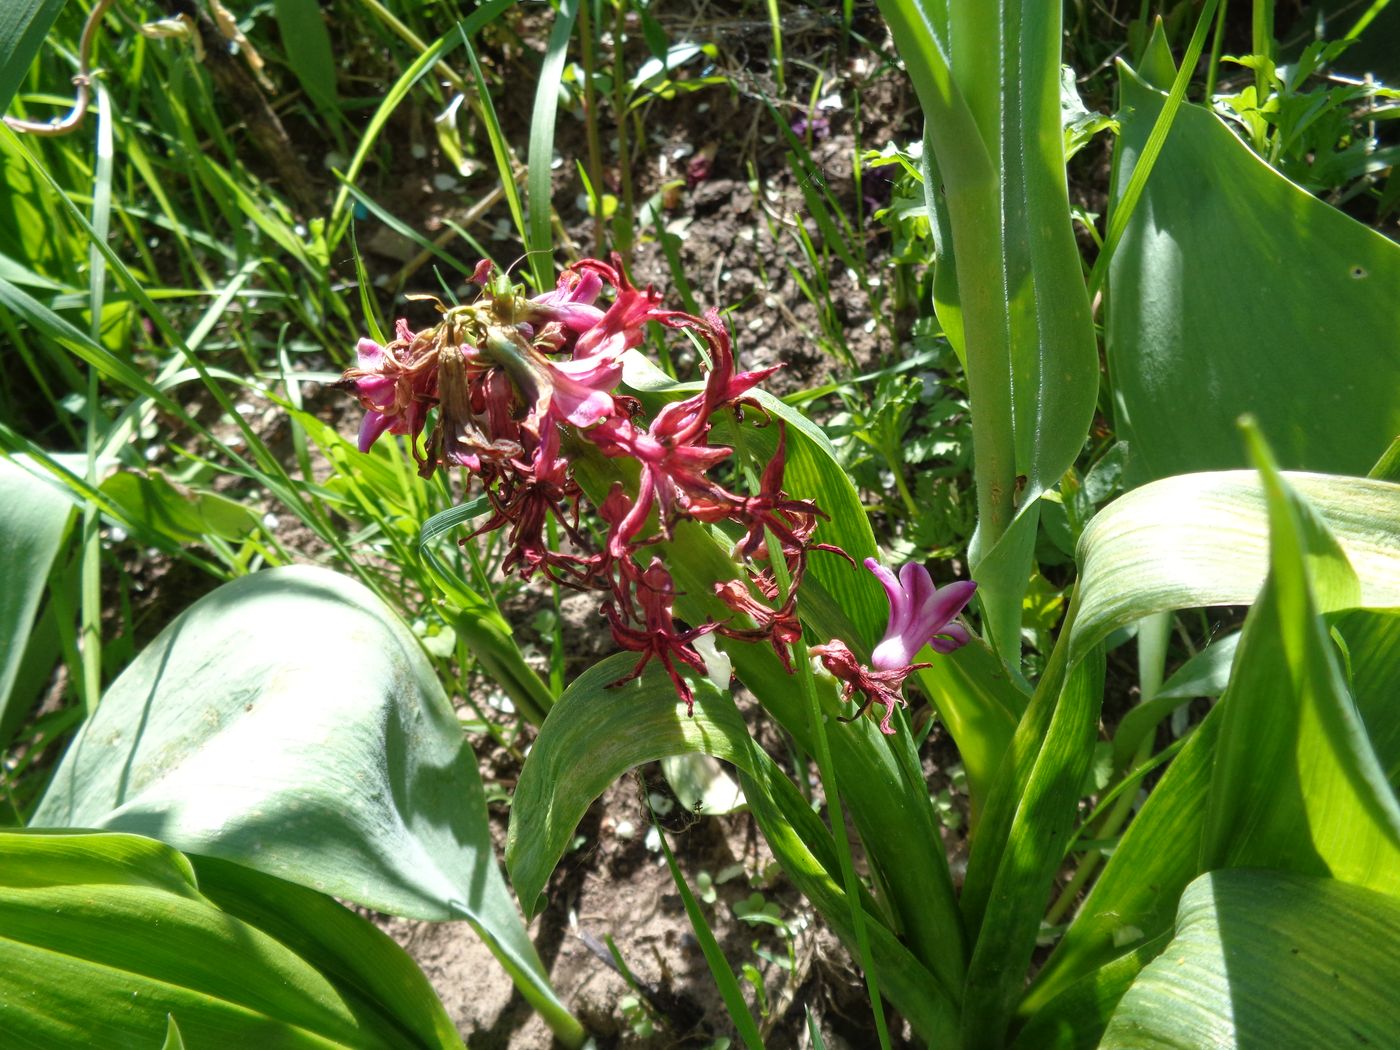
{"x": 288, "y": 741}
{"x": 519, "y": 387}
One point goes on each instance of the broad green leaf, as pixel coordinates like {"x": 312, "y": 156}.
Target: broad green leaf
{"x": 1297, "y": 785}
{"x": 1265, "y": 958}
{"x": 1326, "y": 750}
{"x": 290, "y": 722}
{"x": 107, "y": 938}
{"x": 591, "y": 737}
{"x": 595, "y": 733}
{"x": 1234, "y": 290}
{"x": 371, "y": 972}
{"x": 1202, "y": 539}
{"x": 186, "y": 516}
{"x": 33, "y": 517}
{"x": 307, "y": 45}
{"x": 23, "y": 26}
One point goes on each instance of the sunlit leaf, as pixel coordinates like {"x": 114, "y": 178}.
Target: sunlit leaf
{"x": 290, "y": 722}
{"x": 1134, "y": 898}
{"x": 107, "y": 937}
{"x": 1236, "y": 291}
{"x": 1202, "y": 539}
{"x": 1297, "y": 785}
{"x": 1268, "y": 959}
{"x": 23, "y": 25}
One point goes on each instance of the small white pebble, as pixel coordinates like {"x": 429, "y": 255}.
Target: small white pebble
{"x": 269, "y": 521}
{"x": 418, "y": 151}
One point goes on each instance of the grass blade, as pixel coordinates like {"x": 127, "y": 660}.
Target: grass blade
{"x": 540, "y": 240}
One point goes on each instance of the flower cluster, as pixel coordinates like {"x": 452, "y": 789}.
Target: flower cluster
{"x": 525, "y": 389}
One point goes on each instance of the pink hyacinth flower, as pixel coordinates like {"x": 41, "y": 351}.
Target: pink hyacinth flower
{"x": 571, "y": 302}
{"x": 920, "y": 614}
{"x": 390, "y": 398}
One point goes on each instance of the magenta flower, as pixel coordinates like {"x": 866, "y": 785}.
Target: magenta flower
{"x": 571, "y": 302}
{"x": 394, "y": 385}
{"x": 522, "y": 388}
{"x": 920, "y": 615}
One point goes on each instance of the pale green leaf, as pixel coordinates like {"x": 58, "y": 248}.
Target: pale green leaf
{"x": 1202, "y": 539}
{"x": 106, "y": 938}
{"x": 33, "y": 516}
{"x": 290, "y": 722}
{"x": 1268, "y": 959}
{"x": 1235, "y": 291}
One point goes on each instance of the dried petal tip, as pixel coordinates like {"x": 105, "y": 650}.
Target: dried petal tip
{"x": 920, "y": 614}
{"x": 877, "y": 687}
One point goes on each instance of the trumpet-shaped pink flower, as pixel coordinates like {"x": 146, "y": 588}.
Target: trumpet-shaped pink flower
{"x": 920, "y": 614}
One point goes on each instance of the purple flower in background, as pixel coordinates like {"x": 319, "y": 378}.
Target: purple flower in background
{"x": 920, "y": 614}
